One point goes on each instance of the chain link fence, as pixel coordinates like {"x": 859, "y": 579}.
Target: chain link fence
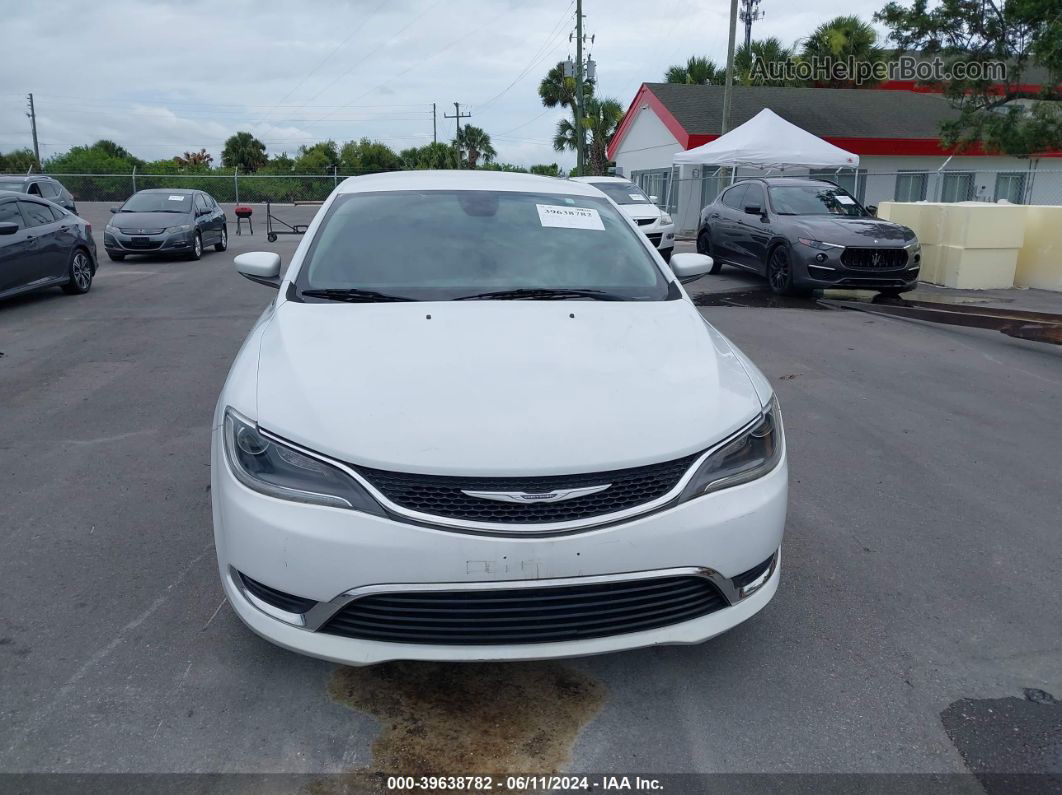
{"x": 684, "y": 196}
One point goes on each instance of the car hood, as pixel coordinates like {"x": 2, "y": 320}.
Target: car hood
{"x": 855, "y": 231}
{"x": 500, "y": 387}
{"x": 149, "y": 220}
{"x": 636, "y": 211}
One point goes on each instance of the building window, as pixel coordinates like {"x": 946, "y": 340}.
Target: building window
{"x": 1011, "y": 186}
{"x": 911, "y": 186}
{"x": 957, "y": 186}
{"x": 844, "y": 179}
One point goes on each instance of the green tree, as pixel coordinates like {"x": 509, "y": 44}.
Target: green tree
{"x": 602, "y": 118}
{"x": 319, "y": 158}
{"x": 111, "y": 149}
{"x": 503, "y": 167}
{"x": 245, "y": 152}
{"x": 558, "y": 90}
{"x": 194, "y": 160}
{"x": 18, "y": 161}
{"x": 546, "y": 169}
{"x": 473, "y": 143}
{"x": 1018, "y": 34}
{"x": 764, "y": 52}
{"x": 698, "y": 71}
{"x": 368, "y": 157}
{"x": 843, "y": 38}
{"x": 435, "y": 155}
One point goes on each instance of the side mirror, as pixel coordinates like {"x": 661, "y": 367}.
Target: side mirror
{"x": 115, "y": 209}
{"x": 260, "y": 266}
{"x": 872, "y": 209}
{"x": 690, "y": 266}
{"x": 753, "y": 209}
{"x": 654, "y": 199}
{"x": 8, "y": 228}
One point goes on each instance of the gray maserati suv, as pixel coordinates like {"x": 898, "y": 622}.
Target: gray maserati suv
{"x": 807, "y": 234}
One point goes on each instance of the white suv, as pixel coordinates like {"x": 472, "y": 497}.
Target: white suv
{"x": 653, "y": 222}
{"x": 481, "y": 421}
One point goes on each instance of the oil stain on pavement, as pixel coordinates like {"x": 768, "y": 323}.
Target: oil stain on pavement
{"x": 461, "y": 718}
{"x": 1012, "y": 745}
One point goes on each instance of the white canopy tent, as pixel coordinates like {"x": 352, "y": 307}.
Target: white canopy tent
{"x": 767, "y": 141}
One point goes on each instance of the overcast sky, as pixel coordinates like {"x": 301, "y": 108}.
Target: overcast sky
{"x": 164, "y": 77}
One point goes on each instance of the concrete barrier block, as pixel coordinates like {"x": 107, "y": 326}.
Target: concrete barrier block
{"x": 932, "y": 257}
{"x": 1040, "y": 258}
{"x": 977, "y": 268}
{"x": 978, "y": 225}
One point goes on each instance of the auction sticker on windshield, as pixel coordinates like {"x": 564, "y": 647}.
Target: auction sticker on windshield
{"x": 176, "y": 198}
{"x": 569, "y": 217}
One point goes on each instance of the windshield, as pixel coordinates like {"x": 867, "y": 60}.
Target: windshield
{"x": 814, "y": 200}
{"x": 159, "y": 203}
{"x": 15, "y": 186}
{"x": 443, "y": 245}
{"x": 622, "y": 192}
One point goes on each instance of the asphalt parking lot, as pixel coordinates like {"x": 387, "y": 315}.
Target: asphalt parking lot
{"x": 916, "y": 629}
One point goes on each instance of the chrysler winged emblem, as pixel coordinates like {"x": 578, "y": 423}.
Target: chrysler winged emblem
{"x": 557, "y": 495}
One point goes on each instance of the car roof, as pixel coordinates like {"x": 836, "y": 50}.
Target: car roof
{"x": 801, "y": 181}
{"x": 620, "y": 180}
{"x": 188, "y": 191}
{"x": 14, "y": 194}
{"x": 465, "y": 180}
{"x": 25, "y": 177}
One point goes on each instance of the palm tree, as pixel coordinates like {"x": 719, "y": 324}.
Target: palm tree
{"x": 244, "y": 151}
{"x": 556, "y": 89}
{"x": 840, "y": 39}
{"x": 603, "y": 117}
{"x": 475, "y": 143}
{"x": 698, "y": 71}
{"x": 194, "y": 159}
{"x": 766, "y": 51}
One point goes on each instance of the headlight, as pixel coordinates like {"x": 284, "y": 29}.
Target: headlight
{"x": 171, "y": 230}
{"x": 666, "y": 219}
{"x": 280, "y": 471}
{"x": 818, "y": 244}
{"x": 112, "y": 229}
{"x": 751, "y": 455}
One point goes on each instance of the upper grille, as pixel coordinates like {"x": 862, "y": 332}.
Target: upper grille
{"x": 527, "y": 615}
{"x": 644, "y": 221}
{"x": 874, "y": 258}
{"x": 443, "y": 496}
{"x": 141, "y": 231}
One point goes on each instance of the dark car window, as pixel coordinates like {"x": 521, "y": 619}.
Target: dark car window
{"x": 622, "y": 192}
{"x": 201, "y": 205}
{"x": 9, "y": 214}
{"x": 160, "y": 202}
{"x": 36, "y": 214}
{"x": 734, "y": 197}
{"x": 15, "y": 186}
{"x": 34, "y": 189}
{"x": 815, "y": 200}
{"x": 754, "y": 196}
{"x": 48, "y": 190}
{"x": 465, "y": 243}
{"x": 57, "y": 212}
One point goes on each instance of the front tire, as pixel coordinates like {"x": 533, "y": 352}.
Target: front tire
{"x": 197, "y": 247}
{"x": 780, "y": 273}
{"x": 704, "y": 246}
{"x": 222, "y": 244}
{"x": 80, "y": 273}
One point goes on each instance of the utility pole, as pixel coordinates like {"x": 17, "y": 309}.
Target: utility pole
{"x": 728, "y": 88}
{"x": 458, "y": 115}
{"x": 33, "y": 124}
{"x": 577, "y": 107}
{"x": 434, "y": 132}
{"x": 750, "y": 12}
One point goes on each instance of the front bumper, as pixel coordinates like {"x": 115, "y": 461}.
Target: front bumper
{"x": 329, "y": 555}
{"x": 123, "y": 243}
{"x": 825, "y": 270}
{"x": 662, "y": 236}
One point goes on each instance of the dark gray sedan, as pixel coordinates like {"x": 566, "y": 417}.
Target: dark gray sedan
{"x": 166, "y": 221}
{"x": 807, "y": 234}
{"x": 43, "y": 245}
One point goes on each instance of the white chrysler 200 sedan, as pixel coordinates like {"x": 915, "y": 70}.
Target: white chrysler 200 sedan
{"x": 483, "y": 421}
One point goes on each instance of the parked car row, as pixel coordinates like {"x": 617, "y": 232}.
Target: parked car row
{"x": 43, "y": 243}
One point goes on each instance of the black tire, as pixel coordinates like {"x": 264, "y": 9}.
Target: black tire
{"x": 704, "y": 246}
{"x": 224, "y": 243}
{"x": 81, "y": 273}
{"x": 115, "y": 257}
{"x": 666, "y": 253}
{"x": 780, "y": 273}
{"x": 892, "y": 292}
{"x": 196, "y": 251}
{"x": 271, "y": 237}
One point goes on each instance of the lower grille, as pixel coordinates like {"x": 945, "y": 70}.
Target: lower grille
{"x": 278, "y": 599}
{"x": 142, "y": 243}
{"x": 746, "y": 577}
{"x": 444, "y": 496}
{"x": 654, "y": 238}
{"x": 527, "y": 615}
{"x": 874, "y": 258}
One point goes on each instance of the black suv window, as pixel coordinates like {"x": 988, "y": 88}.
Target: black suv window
{"x": 9, "y": 214}
{"x": 754, "y": 196}
{"x": 201, "y": 205}
{"x": 48, "y": 190}
{"x": 36, "y": 214}
{"x": 735, "y": 197}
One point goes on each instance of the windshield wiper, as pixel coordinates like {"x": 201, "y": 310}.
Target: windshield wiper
{"x": 541, "y": 294}
{"x": 354, "y": 295}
